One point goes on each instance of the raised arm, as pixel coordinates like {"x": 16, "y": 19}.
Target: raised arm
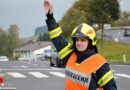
{"x": 62, "y": 45}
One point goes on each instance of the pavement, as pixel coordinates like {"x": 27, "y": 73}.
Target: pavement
{"x": 40, "y": 76}
{"x": 4, "y": 75}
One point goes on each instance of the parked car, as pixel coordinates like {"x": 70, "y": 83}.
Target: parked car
{"x": 4, "y": 58}
{"x": 127, "y": 32}
{"x": 55, "y": 58}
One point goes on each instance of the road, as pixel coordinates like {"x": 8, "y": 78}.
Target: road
{"x": 25, "y": 75}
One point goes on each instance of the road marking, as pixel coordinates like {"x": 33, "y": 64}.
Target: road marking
{"x": 55, "y": 68}
{"x": 122, "y": 65}
{"x": 16, "y": 75}
{"x": 41, "y": 69}
{"x": 116, "y": 77}
{"x": 20, "y": 66}
{"x": 122, "y": 75}
{"x": 113, "y": 70}
{"x": 38, "y": 74}
{"x": 58, "y": 74}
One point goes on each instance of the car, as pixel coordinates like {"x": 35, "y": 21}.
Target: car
{"x": 4, "y": 58}
{"x": 127, "y": 32}
{"x": 55, "y": 58}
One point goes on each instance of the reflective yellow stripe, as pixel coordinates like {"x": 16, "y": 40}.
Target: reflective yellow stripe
{"x": 94, "y": 72}
{"x": 106, "y": 78}
{"x": 55, "y": 30}
{"x": 65, "y": 51}
{"x": 64, "y": 55}
{"x": 54, "y": 33}
{"x": 77, "y": 63}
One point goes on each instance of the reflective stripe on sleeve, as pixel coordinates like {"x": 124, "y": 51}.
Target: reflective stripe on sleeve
{"x": 65, "y": 51}
{"x": 77, "y": 77}
{"x": 55, "y": 33}
{"x": 77, "y": 64}
{"x": 105, "y": 79}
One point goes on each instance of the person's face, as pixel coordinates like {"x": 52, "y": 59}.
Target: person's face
{"x": 81, "y": 43}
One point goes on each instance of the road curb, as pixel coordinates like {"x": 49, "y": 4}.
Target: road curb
{"x": 120, "y": 63}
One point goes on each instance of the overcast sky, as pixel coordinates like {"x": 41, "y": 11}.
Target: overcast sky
{"x": 29, "y": 14}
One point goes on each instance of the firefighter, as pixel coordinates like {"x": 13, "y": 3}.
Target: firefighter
{"x": 85, "y": 68}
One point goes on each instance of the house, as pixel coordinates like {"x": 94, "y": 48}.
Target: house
{"x": 28, "y": 43}
{"x": 28, "y": 40}
{"x": 32, "y": 51}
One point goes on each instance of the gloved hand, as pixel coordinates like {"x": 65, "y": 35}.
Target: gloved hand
{"x": 48, "y": 9}
{"x": 49, "y": 15}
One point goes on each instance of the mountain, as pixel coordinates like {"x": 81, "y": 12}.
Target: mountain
{"x": 40, "y": 30}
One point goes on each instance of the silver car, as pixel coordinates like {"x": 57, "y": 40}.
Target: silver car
{"x": 55, "y": 58}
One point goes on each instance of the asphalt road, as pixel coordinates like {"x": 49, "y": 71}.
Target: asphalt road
{"x": 26, "y": 75}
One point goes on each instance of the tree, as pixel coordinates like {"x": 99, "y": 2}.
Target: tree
{"x": 13, "y": 32}
{"x": 74, "y": 16}
{"x": 125, "y": 15}
{"x": 13, "y": 35}
{"x": 124, "y": 19}
{"x": 102, "y": 11}
{"x": 43, "y": 37}
{"x": 9, "y": 41}
{"x": 4, "y": 43}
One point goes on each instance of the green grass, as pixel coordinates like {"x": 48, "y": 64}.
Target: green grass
{"x": 113, "y": 52}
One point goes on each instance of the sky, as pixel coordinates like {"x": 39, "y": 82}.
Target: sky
{"x": 29, "y": 14}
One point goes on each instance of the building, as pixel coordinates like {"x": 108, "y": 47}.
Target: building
{"x": 33, "y": 51}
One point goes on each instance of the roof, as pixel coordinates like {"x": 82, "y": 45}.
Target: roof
{"x": 34, "y": 46}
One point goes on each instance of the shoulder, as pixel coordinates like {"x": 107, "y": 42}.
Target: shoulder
{"x": 103, "y": 69}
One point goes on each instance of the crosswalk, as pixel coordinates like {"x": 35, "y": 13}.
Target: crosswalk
{"x": 56, "y": 74}
{"x": 16, "y": 75}
{"x": 36, "y": 74}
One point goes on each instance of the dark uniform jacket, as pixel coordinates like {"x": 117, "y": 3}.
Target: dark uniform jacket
{"x": 100, "y": 78}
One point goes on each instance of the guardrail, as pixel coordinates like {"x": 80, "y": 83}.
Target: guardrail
{"x": 109, "y": 37}
{"x": 118, "y": 28}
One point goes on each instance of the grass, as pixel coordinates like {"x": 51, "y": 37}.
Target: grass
{"x": 113, "y": 51}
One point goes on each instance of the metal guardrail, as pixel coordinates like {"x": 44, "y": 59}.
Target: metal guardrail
{"x": 118, "y": 28}
{"x": 111, "y": 29}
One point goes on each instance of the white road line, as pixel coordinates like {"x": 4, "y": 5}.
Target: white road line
{"x": 58, "y": 74}
{"x": 16, "y": 75}
{"x": 41, "y": 69}
{"x": 38, "y": 75}
{"x": 116, "y": 77}
{"x": 122, "y": 65}
{"x": 55, "y": 68}
{"x": 20, "y": 66}
{"x": 113, "y": 70}
{"x": 122, "y": 75}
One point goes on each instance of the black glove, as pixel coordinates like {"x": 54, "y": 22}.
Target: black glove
{"x": 49, "y": 15}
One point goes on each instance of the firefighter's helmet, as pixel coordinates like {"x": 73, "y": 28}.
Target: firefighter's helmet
{"x": 84, "y": 30}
